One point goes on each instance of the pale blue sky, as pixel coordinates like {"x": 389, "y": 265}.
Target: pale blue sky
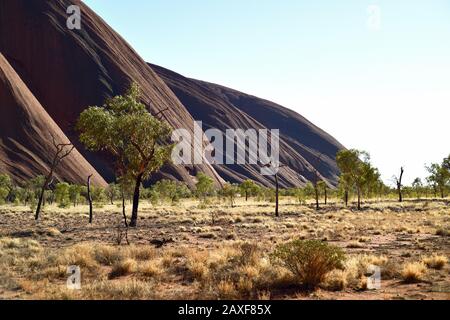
{"x": 386, "y": 91}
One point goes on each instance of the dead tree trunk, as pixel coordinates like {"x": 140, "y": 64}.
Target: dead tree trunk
{"x": 346, "y": 198}
{"x": 359, "y": 198}
{"x": 123, "y": 210}
{"x": 399, "y": 185}
{"x": 62, "y": 150}
{"x": 277, "y": 214}
{"x": 89, "y": 198}
{"x": 316, "y": 191}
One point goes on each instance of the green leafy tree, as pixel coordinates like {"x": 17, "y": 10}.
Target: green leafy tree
{"x": 112, "y": 192}
{"x": 439, "y": 177}
{"x": 124, "y": 128}
{"x": 300, "y": 195}
{"x": 6, "y": 186}
{"x": 446, "y": 163}
{"x": 169, "y": 190}
{"x": 309, "y": 190}
{"x": 417, "y": 186}
{"x": 18, "y": 195}
{"x": 230, "y": 191}
{"x": 356, "y": 171}
{"x": 98, "y": 194}
{"x": 62, "y": 194}
{"x": 248, "y": 188}
{"x": 204, "y": 186}
{"x": 3, "y": 195}
{"x": 346, "y": 161}
{"x": 75, "y": 194}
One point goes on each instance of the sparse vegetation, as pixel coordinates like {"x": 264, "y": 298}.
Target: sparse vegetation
{"x": 309, "y": 260}
{"x": 413, "y": 272}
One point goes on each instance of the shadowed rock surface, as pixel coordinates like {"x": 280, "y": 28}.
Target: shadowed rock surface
{"x": 69, "y": 70}
{"x": 302, "y": 143}
{"x": 26, "y": 131}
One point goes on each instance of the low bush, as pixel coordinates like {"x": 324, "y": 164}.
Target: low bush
{"x": 308, "y": 260}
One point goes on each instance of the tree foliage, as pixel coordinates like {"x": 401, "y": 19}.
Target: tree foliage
{"x": 124, "y": 128}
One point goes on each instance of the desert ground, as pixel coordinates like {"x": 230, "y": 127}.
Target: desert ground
{"x": 224, "y": 252}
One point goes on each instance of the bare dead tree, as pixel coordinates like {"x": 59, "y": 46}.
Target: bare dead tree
{"x": 89, "y": 198}
{"x": 316, "y": 180}
{"x": 122, "y": 233}
{"x": 161, "y": 113}
{"x": 62, "y": 150}
{"x": 398, "y": 182}
{"x": 277, "y": 188}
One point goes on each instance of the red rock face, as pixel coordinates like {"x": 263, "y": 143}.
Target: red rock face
{"x": 69, "y": 70}
{"x": 27, "y": 131}
{"x": 302, "y": 143}
{"x": 65, "y": 71}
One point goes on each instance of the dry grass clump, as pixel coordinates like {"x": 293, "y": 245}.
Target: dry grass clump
{"x": 119, "y": 290}
{"x": 150, "y": 269}
{"x": 308, "y": 260}
{"x": 107, "y": 255}
{"x": 26, "y": 245}
{"x": 123, "y": 268}
{"x": 356, "y": 270}
{"x": 437, "y": 262}
{"x": 237, "y": 271}
{"x": 197, "y": 266}
{"x": 413, "y": 272}
{"x": 336, "y": 280}
{"x": 141, "y": 253}
{"x": 81, "y": 255}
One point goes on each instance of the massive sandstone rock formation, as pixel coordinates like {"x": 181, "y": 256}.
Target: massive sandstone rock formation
{"x": 27, "y": 132}
{"x": 303, "y": 146}
{"x": 68, "y": 70}
{"x": 65, "y": 71}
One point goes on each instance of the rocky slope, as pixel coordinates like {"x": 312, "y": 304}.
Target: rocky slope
{"x": 68, "y": 70}
{"x": 27, "y": 132}
{"x": 65, "y": 71}
{"x": 303, "y": 146}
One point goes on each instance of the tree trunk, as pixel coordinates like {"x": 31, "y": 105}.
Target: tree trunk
{"x": 400, "y": 196}
{"x": 277, "y": 214}
{"x": 41, "y": 196}
{"x": 123, "y": 210}
{"x": 326, "y": 196}
{"x": 359, "y": 199}
{"x": 246, "y": 195}
{"x": 317, "y": 197}
{"x": 136, "y": 195}
{"x": 346, "y": 198}
{"x": 399, "y": 185}
{"x": 89, "y": 198}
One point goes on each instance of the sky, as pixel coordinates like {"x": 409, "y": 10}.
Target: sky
{"x": 373, "y": 74}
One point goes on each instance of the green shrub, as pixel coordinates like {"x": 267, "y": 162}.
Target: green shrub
{"x": 308, "y": 260}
